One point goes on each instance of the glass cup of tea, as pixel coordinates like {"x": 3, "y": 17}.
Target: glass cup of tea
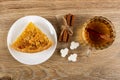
{"x": 97, "y": 33}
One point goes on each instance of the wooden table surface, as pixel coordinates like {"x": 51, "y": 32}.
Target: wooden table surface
{"x": 102, "y": 65}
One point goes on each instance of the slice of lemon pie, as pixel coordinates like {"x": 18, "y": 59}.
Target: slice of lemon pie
{"x": 31, "y": 40}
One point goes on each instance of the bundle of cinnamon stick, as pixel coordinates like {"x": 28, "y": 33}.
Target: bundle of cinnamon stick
{"x": 66, "y": 31}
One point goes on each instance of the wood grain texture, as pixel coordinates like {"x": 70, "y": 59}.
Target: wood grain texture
{"x": 102, "y": 65}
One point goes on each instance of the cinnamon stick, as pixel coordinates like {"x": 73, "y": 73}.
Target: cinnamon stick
{"x": 68, "y": 18}
{"x": 72, "y": 20}
{"x": 65, "y": 36}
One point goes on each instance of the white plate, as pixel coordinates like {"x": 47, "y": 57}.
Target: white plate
{"x": 19, "y": 26}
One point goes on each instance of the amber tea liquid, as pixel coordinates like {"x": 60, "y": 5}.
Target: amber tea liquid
{"x": 98, "y": 32}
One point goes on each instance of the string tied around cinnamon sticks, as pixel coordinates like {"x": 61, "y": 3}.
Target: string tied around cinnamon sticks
{"x": 66, "y": 31}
